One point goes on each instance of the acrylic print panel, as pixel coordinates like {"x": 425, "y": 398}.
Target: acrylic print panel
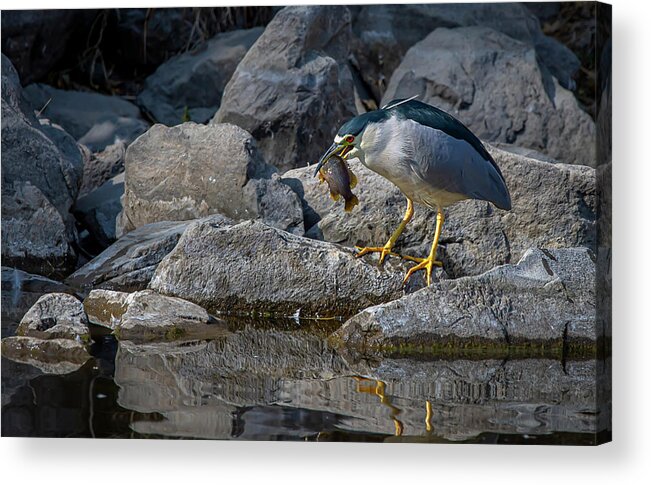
{"x": 175, "y": 264}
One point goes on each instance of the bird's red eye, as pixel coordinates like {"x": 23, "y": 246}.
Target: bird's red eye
{"x": 350, "y": 139}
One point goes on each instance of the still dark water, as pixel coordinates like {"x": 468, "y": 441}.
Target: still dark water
{"x": 288, "y": 384}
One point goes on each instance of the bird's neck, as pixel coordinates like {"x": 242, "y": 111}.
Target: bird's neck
{"x": 382, "y": 144}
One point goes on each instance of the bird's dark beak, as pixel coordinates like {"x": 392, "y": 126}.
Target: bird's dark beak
{"x": 331, "y": 151}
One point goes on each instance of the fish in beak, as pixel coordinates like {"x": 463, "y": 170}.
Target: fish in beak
{"x": 334, "y": 148}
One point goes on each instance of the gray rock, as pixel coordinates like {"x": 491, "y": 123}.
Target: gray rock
{"x": 36, "y": 40}
{"x": 293, "y": 99}
{"x": 275, "y": 203}
{"x": 45, "y": 156}
{"x": 99, "y": 209}
{"x": 51, "y": 356}
{"x": 195, "y": 80}
{"x": 35, "y": 238}
{"x": 93, "y": 119}
{"x": 20, "y": 291}
{"x": 549, "y": 296}
{"x": 189, "y": 171}
{"x": 146, "y": 316}
{"x": 384, "y": 33}
{"x": 102, "y": 166}
{"x": 495, "y": 86}
{"x": 129, "y": 263}
{"x": 41, "y": 173}
{"x": 55, "y": 316}
{"x": 554, "y": 205}
{"x": 251, "y": 267}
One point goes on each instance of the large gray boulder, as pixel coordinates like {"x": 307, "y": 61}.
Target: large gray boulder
{"x": 554, "y": 206}
{"x": 548, "y": 298}
{"x": 495, "y": 86}
{"x": 252, "y": 267}
{"x": 130, "y": 262}
{"x": 384, "y": 33}
{"x": 293, "y": 88}
{"x": 93, "y": 119}
{"x": 147, "y": 316}
{"x": 190, "y": 171}
{"x": 193, "y": 82}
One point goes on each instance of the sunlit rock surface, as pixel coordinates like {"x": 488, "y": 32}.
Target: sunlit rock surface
{"x": 146, "y": 316}
{"x": 254, "y": 268}
{"x": 548, "y": 297}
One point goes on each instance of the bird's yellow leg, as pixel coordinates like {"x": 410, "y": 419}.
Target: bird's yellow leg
{"x": 386, "y": 250}
{"x": 428, "y": 263}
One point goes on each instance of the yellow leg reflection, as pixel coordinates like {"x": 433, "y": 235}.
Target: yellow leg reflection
{"x": 379, "y": 390}
{"x": 428, "y": 416}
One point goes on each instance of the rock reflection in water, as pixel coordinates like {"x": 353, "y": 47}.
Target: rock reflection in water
{"x": 266, "y": 384}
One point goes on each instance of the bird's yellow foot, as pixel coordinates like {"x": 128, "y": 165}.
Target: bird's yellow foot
{"x": 384, "y": 252}
{"x": 427, "y": 264}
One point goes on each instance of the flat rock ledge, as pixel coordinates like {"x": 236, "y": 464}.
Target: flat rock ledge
{"x": 546, "y": 302}
{"x": 253, "y": 268}
{"x": 147, "y": 316}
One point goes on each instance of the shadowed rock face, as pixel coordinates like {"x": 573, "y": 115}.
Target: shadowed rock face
{"x": 554, "y": 206}
{"x": 35, "y": 237}
{"x": 129, "y": 263}
{"x": 99, "y": 209}
{"x": 549, "y": 296}
{"x": 496, "y": 87}
{"x": 293, "y": 88}
{"x": 93, "y": 119}
{"x": 195, "y": 80}
{"x": 252, "y": 267}
{"x": 220, "y": 390}
{"x": 41, "y": 174}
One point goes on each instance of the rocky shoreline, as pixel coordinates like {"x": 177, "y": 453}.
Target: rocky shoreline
{"x": 158, "y": 220}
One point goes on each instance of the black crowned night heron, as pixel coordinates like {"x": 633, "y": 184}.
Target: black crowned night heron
{"x": 432, "y": 158}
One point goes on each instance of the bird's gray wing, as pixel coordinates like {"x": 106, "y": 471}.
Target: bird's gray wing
{"x": 454, "y": 165}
